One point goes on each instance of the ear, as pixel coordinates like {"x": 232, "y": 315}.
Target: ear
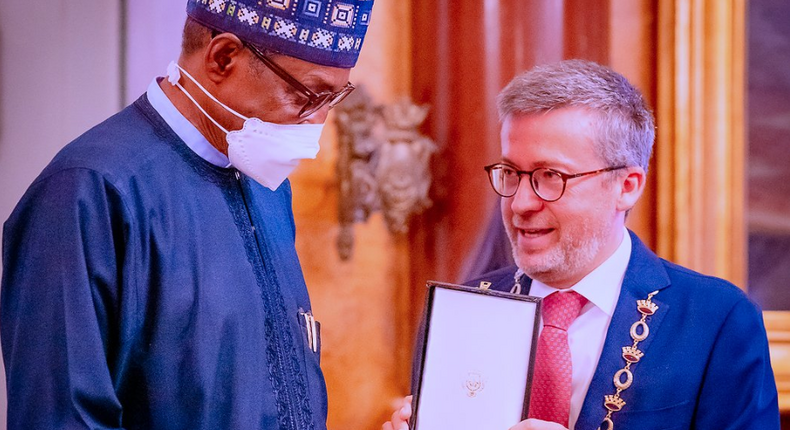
{"x": 222, "y": 55}
{"x": 632, "y": 184}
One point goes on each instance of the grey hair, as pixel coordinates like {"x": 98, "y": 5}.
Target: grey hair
{"x": 626, "y": 129}
{"x": 196, "y": 36}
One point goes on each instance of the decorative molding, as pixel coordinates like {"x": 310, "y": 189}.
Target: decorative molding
{"x": 778, "y": 325}
{"x": 383, "y": 164}
{"x": 701, "y": 146}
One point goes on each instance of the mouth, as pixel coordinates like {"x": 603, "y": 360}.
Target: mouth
{"x": 533, "y": 239}
{"x": 534, "y": 232}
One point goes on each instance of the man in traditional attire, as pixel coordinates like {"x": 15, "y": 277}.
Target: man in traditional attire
{"x": 627, "y": 340}
{"x": 150, "y": 275}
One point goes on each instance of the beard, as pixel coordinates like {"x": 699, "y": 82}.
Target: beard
{"x": 572, "y": 257}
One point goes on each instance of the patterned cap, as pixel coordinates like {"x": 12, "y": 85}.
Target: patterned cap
{"x": 326, "y": 32}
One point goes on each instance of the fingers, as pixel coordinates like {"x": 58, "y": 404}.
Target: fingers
{"x": 395, "y": 419}
{"x": 405, "y": 411}
{"x": 400, "y": 417}
{"x": 390, "y": 426}
{"x": 534, "y": 424}
{"x": 520, "y": 426}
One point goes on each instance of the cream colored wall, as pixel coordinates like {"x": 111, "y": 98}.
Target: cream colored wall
{"x": 358, "y": 302}
{"x": 153, "y": 40}
{"x": 59, "y": 74}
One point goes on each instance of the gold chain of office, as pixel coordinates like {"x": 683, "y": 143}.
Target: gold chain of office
{"x": 631, "y": 354}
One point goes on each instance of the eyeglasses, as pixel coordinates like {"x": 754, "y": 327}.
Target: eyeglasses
{"x": 548, "y": 184}
{"x": 314, "y": 101}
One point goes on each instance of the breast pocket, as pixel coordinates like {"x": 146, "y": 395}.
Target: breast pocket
{"x": 311, "y": 332}
{"x": 673, "y": 417}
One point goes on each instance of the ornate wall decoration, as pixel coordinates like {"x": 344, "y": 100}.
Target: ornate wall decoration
{"x": 383, "y": 164}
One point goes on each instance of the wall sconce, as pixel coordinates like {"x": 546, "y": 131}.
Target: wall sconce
{"x": 383, "y": 164}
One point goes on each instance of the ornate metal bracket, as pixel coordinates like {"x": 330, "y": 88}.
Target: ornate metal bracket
{"x": 382, "y": 164}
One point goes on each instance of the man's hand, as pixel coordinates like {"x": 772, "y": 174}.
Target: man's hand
{"x": 533, "y": 424}
{"x": 400, "y": 418}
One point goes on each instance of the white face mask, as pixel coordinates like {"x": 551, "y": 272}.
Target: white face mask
{"x": 265, "y": 151}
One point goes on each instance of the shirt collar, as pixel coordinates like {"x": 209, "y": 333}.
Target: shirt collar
{"x": 601, "y": 286}
{"x": 183, "y": 128}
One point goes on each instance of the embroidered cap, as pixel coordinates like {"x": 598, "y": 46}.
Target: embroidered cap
{"x": 325, "y": 32}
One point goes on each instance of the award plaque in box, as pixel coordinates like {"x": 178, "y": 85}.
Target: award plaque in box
{"x": 477, "y": 359}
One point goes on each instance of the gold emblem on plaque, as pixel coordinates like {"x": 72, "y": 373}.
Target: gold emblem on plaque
{"x": 473, "y": 384}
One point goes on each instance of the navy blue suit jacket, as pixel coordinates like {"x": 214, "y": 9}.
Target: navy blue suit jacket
{"x": 706, "y": 363}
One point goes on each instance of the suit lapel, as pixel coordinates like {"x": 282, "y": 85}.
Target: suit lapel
{"x": 644, "y": 275}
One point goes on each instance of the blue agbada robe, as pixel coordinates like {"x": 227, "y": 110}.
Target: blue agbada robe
{"x": 145, "y": 288}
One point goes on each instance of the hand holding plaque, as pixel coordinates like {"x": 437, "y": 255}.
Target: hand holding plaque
{"x": 400, "y": 418}
{"x": 477, "y": 359}
{"x": 535, "y": 424}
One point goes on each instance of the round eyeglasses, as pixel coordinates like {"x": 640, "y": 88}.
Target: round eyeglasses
{"x": 548, "y": 184}
{"x": 315, "y": 101}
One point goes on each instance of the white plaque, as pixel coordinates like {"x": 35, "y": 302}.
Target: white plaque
{"x": 477, "y": 359}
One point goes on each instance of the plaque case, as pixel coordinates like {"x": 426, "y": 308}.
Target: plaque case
{"x": 477, "y": 358}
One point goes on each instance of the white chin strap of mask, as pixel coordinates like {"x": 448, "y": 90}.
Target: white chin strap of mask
{"x": 265, "y": 151}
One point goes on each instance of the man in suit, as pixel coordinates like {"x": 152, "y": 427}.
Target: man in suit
{"x": 628, "y": 340}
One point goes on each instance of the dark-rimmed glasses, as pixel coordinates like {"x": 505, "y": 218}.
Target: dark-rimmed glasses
{"x": 315, "y": 101}
{"x": 548, "y": 184}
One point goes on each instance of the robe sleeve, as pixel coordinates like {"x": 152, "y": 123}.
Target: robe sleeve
{"x": 64, "y": 255}
{"x": 739, "y": 390}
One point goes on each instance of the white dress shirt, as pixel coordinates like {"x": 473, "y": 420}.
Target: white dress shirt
{"x": 183, "y": 128}
{"x": 587, "y": 333}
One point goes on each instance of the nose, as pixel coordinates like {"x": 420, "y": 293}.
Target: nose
{"x": 525, "y": 200}
{"x": 317, "y": 117}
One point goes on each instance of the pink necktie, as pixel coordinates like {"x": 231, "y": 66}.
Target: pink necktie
{"x": 551, "y": 380}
